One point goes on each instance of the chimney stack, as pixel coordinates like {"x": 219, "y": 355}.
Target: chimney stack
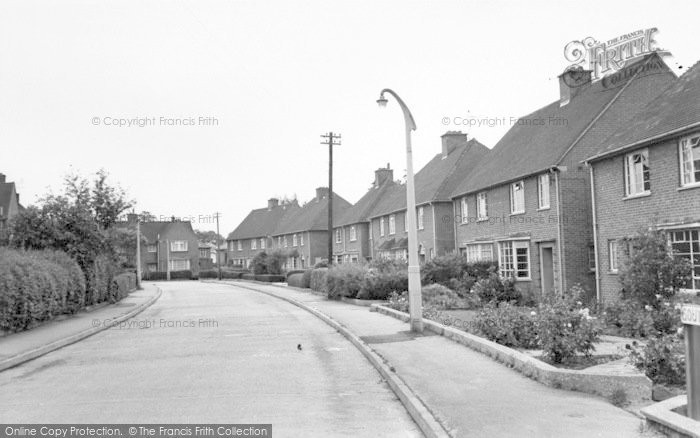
{"x": 321, "y": 192}
{"x": 572, "y": 82}
{"x": 272, "y": 203}
{"x": 132, "y": 217}
{"x": 383, "y": 175}
{"x": 451, "y": 140}
{"x": 2, "y": 177}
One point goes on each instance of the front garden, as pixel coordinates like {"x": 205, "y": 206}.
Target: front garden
{"x": 642, "y": 328}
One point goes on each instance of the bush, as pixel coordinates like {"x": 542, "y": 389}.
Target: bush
{"x": 453, "y": 266}
{"x": 271, "y": 278}
{"x": 398, "y": 301}
{"x": 507, "y": 325}
{"x": 630, "y": 318}
{"x": 441, "y": 297}
{"x": 155, "y": 275}
{"x": 36, "y": 286}
{"x": 306, "y": 279}
{"x": 564, "y": 329}
{"x": 181, "y": 275}
{"x": 295, "y": 279}
{"x": 662, "y": 359}
{"x": 651, "y": 269}
{"x": 295, "y": 271}
{"x": 495, "y": 289}
{"x": 209, "y": 273}
{"x": 259, "y": 263}
{"x": 345, "y": 280}
{"x": 248, "y": 276}
{"x": 318, "y": 281}
{"x": 122, "y": 285}
{"x": 378, "y": 285}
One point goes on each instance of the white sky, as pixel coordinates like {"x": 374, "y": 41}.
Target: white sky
{"x": 277, "y": 75}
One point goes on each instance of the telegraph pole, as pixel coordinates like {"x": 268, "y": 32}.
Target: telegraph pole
{"x": 218, "y": 245}
{"x": 138, "y": 252}
{"x": 331, "y": 140}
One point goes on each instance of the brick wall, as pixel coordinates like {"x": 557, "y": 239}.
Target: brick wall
{"x": 426, "y": 235}
{"x": 619, "y": 217}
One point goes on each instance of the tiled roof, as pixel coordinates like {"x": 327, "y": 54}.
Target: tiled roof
{"x": 676, "y": 108}
{"x": 539, "y": 141}
{"x": 312, "y": 216}
{"x": 361, "y": 210}
{"x": 153, "y": 230}
{"x": 263, "y": 221}
{"x": 436, "y": 180}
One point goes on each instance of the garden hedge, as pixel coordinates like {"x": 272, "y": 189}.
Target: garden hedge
{"x": 295, "y": 279}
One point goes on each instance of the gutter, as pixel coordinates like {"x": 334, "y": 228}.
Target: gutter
{"x": 595, "y": 238}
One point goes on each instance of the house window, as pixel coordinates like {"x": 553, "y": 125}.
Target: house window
{"x": 481, "y": 207}
{"x": 338, "y": 236}
{"x": 253, "y": 244}
{"x": 591, "y": 258}
{"x": 240, "y": 245}
{"x": 152, "y": 267}
{"x": 381, "y": 227}
{"x": 464, "y": 210}
{"x": 279, "y": 241}
{"x": 420, "y": 218}
{"x": 543, "y": 190}
{"x": 686, "y": 244}
{"x": 514, "y": 259}
{"x": 353, "y": 234}
{"x": 637, "y": 173}
{"x": 178, "y": 246}
{"x": 284, "y": 241}
{"x": 152, "y": 248}
{"x": 392, "y": 224}
{"x": 294, "y": 240}
{"x": 301, "y": 242}
{"x": 405, "y": 221}
{"x": 179, "y": 265}
{"x": 613, "y": 255}
{"x": 690, "y": 160}
{"x": 262, "y": 243}
{"x": 479, "y": 252}
{"x": 517, "y": 198}
{"x": 203, "y": 253}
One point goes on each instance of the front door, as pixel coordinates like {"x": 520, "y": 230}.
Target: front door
{"x": 547, "y": 269}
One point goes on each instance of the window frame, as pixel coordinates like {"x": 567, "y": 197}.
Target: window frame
{"x": 628, "y": 175}
{"x": 421, "y": 221}
{"x": 514, "y": 246}
{"x": 482, "y": 215}
{"x": 392, "y": 224}
{"x": 176, "y": 244}
{"x": 613, "y": 256}
{"x": 464, "y": 209}
{"x": 253, "y": 244}
{"x": 513, "y": 198}
{"x": 682, "y": 143}
{"x": 338, "y": 236}
{"x": 353, "y": 233}
{"x": 381, "y": 227}
{"x": 543, "y": 191}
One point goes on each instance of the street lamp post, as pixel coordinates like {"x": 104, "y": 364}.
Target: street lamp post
{"x": 414, "y": 287}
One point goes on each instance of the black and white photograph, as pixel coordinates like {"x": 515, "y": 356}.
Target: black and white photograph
{"x": 291, "y": 218}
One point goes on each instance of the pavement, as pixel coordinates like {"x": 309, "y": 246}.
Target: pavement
{"x": 19, "y": 347}
{"x": 208, "y": 353}
{"x": 469, "y": 393}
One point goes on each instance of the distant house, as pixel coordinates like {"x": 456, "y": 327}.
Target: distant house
{"x": 303, "y": 232}
{"x": 171, "y": 245}
{"x": 254, "y": 233}
{"x": 647, "y": 175}
{"x": 9, "y": 206}
{"x": 207, "y": 255}
{"x": 528, "y": 203}
{"x": 434, "y": 185}
{"x": 351, "y": 237}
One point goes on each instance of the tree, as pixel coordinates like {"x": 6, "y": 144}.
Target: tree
{"x": 651, "y": 268}
{"x": 208, "y": 236}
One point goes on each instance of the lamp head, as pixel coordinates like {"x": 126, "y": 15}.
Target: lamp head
{"x": 382, "y": 101}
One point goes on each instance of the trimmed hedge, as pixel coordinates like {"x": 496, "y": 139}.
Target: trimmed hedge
{"x": 156, "y": 275}
{"x": 271, "y": 278}
{"x": 122, "y": 284}
{"x": 248, "y": 276}
{"x": 306, "y": 279}
{"x": 36, "y": 286}
{"x": 318, "y": 280}
{"x": 295, "y": 279}
{"x": 295, "y": 271}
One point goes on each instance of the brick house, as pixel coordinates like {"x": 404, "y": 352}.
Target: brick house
{"x": 433, "y": 184}
{"x": 647, "y": 175}
{"x": 527, "y": 205}
{"x": 170, "y": 245}
{"x": 254, "y": 233}
{"x": 303, "y": 233}
{"x": 9, "y": 206}
{"x": 351, "y": 242}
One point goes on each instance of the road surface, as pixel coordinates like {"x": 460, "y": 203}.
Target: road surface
{"x": 207, "y": 353}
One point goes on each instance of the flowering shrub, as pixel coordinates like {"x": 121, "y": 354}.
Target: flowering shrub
{"x": 508, "y": 325}
{"x": 495, "y": 289}
{"x": 662, "y": 359}
{"x": 345, "y": 280}
{"x": 440, "y": 296}
{"x": 564, "y": 329}
{"x": 630, "y": 318}
{"x": 382, "y": 278}
{"x": 398, "y": 301}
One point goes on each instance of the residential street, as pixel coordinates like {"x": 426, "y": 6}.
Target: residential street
{"x": 236, "y": 362}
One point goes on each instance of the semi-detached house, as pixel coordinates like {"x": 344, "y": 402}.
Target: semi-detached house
{"x": 647, "y": 175}
{"x": 528, "y": 203}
